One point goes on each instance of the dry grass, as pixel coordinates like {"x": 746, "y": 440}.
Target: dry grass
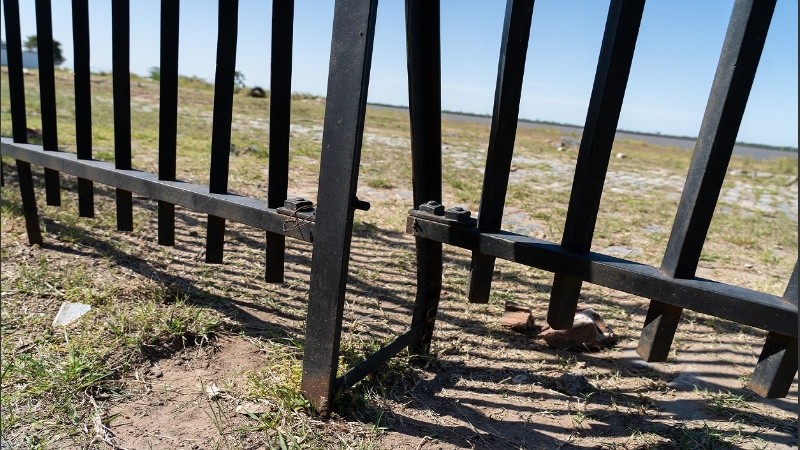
{"x": 485, "y": 387}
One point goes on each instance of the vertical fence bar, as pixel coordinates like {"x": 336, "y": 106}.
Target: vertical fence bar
{"x": 736, "y": 70}
{"x": 777, "y": 363}
{"x": 605, "y": 104}
{"x": 19, "y": 127}
{"x": 348, "y": 80}
{"x": 510, "y": 72}
{"x": 280, "y": 102}
{"x": 168, "y": 114}
{"x": 47, "y": 96}
{"x": 83, "y": 101}
{"x": 423, "y": 45}
{"x": 223, "y": 114}
{"x": 120, "y": 41}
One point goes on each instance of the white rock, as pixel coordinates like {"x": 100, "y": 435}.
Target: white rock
{"x": 251, "y": 408}
{"x": 212, "y": 390}
{"x": 69, "y": 312}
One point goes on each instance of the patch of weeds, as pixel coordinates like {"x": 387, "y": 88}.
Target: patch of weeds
{"x": 363, "y": 402}
{"x": 723, "y": 401}
{"x": 704, "y": 437}
{"x": 501, "y": 297}
{"x": 467, "y": 188}
{"x": 379, "y": 183}
{"x": 308, "y": 149}
{"x": 284, "y": 413}
{"x": 566, "y": 362}
{"x": 33, "y": 278}
{"x": 360, "y": 226}
{"x": 46, "y": 391}
{"x": 148, "y": 323}
{"x": 769, "y": 257}
{"x": 50, "y": 380}
{"x": 104, "y": 155}
{"x": 577, "y": 419}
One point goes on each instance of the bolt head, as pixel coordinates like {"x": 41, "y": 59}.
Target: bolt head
{"x": 295, "y": 203}
{"x": 432, "y": 207}
{"x": 457, "y": 213}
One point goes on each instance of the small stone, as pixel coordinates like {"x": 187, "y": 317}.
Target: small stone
{"x": 621, "y": 155}
{"x": 251, "y": 408}
{"x": 519, "y": 379}
{"x": 748, "y": 265}
{"x": 517, "y": 317}
{"x": 572, "y": 385}
{"x": 589, "y": 331}
{"x": 156, "y": 372}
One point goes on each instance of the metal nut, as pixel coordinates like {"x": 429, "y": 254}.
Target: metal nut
{"x": 432, "y": 207}
{"x": 297, "y": 203}
{"x": 457, "y": 213}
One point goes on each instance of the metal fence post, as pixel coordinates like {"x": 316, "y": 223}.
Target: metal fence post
{"x": 348, "y": 80}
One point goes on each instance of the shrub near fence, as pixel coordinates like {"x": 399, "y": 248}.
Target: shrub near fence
{"x": 671, "y": 287}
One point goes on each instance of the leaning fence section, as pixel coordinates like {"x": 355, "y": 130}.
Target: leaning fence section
{"x": 670, "y": 288}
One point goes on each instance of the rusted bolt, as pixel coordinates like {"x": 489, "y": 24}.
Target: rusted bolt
{"x": 457, "y": 213}
{"x": 432, "y": 207}
{"x": 297, "y": 203}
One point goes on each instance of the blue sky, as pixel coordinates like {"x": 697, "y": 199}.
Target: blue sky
{"x": 676, "y": 56}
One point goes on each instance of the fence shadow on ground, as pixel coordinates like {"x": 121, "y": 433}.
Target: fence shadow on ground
{"x": 486, "y": 388}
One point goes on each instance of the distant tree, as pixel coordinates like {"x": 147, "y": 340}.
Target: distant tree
{"x": 238, "y": 81}
{"x": 32, "y": 45}
{"x": 155, "y": 73}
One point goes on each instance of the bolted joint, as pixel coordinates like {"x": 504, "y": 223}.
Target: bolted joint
{"x": 457, "y": 213}
{"x": 432, "y": 207}
{"x": 297, "y": 203}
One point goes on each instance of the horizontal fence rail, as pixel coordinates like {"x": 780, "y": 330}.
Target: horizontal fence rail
{"x": 240, "y": 209}
{"x": 746, "y": 306}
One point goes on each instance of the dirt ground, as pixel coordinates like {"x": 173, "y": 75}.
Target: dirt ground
{"x": 485, "y": 387}
{"x": 208, "y": 356}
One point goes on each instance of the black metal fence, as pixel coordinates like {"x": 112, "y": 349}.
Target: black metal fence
{"x": 671, "y": 288}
